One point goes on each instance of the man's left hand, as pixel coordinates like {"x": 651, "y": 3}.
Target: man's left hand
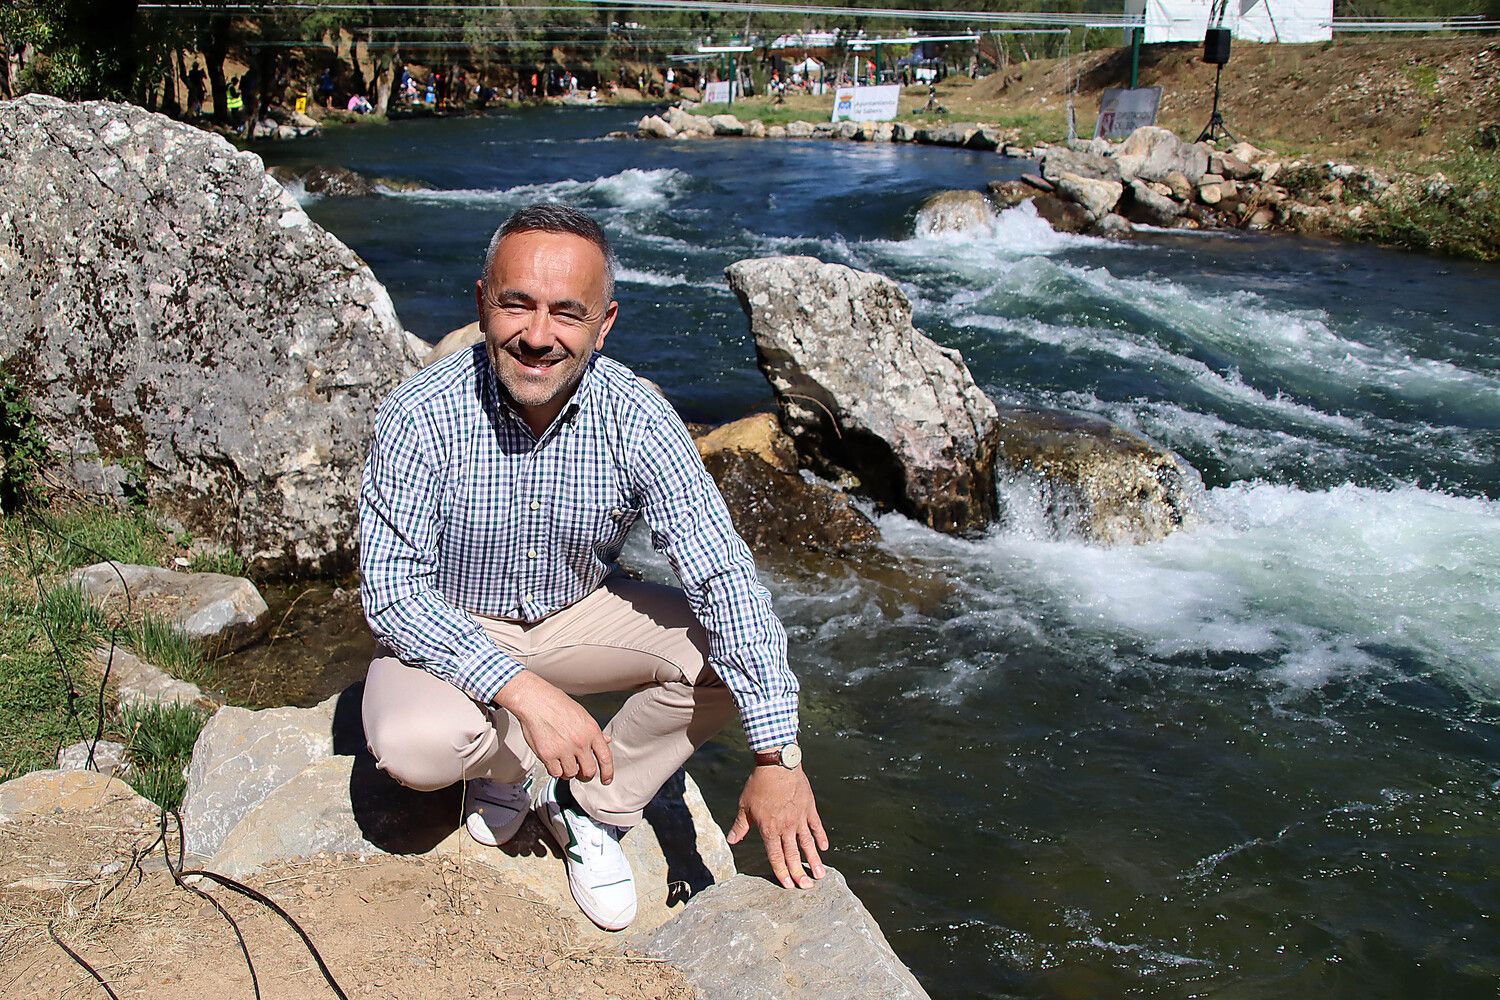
{"x": 779, "y": 802}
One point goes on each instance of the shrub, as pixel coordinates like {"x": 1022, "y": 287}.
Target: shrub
{"x": 23, "y": 452}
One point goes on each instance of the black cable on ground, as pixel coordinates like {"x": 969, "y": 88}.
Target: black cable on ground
{"x": 176, "y": 872}
{"x": 34, "y": 516}
{"x": 80, "y": 960}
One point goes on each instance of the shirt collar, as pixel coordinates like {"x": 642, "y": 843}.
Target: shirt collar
{"x": 495, "y": 394}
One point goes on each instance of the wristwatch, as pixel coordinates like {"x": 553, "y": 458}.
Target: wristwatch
{"x": 789, "y": 756}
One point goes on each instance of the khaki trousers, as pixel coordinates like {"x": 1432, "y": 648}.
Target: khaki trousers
{"x": 625, "y": 636}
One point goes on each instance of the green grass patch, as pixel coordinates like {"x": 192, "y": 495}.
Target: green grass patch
{"x": 65, "y": 538}
{"x": 218, "y": 561}
{"x": 160, "y": 642}
{"x": 1423, "y": 78}
{"x": 159, "y": 743}
{"x": 43, "y": 644}
{"x": 1456, "y": 214}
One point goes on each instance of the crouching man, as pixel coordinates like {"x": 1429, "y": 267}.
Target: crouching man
{"x": 500, "y": 486}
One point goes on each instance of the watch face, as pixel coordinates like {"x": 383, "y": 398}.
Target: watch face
{"x": 791, "y": 755}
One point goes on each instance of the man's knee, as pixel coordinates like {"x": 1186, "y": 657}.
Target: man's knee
{"x": 421, "y": 756}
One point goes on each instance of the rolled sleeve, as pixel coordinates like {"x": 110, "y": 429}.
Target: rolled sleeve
{"x": 691, "y": 525}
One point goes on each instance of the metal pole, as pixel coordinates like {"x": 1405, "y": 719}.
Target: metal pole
{"x": 734, "y": 75}
{"x": 1135, "y": 56}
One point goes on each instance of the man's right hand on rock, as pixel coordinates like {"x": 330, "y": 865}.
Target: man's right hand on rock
{"x": 561, "y": 732}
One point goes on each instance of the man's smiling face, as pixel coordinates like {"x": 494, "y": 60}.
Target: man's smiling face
{"x": 544, "y": 312}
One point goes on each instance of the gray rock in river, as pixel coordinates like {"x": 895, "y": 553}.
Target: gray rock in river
{"x": 751, "y": 940}
{"x": 1094, "y": 480}
{"x": 954, "y": 212}
{"x": 186, "y": 332}
{"x": 865, "y": 395}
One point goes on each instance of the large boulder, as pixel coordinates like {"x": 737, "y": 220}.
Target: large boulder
{"x": 1061, "y": 160}
{"x": 954, "y": 212}
{"x": 1141, "y": 204}
{"x": 726, "y": 125}
{"x": 1093, "y": 480}
{"x": 289, "y": 783}
{"x": 1096, "y": 197}
{"x": 653, "y": 127}
{"x": 1062, "y": 215}
{"x": 227, "y": 612}
{"x": 186, "y": 333}
{"x": 780, "y": 514}
{"x": 865, "y": 395}
{"x": 748, "y": 939}
{"x": 777, "y": 512}
{"x": 1151, "y": 153}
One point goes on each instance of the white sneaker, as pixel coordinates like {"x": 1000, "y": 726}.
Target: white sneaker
{"x": 598, "y": 871}
{"x": 495, "y": 810}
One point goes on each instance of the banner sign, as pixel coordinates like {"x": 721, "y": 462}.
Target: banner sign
{"x": 1121, "y": 112}
{"x": 717, "y": 92}
{"x": 866, "y": 104}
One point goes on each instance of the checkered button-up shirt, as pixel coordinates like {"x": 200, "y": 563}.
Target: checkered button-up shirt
{"x": 463, "y": 509}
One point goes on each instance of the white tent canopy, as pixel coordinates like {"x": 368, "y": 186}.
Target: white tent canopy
{"x": 809, "y": 66}
{"x": 1292, "y": 21}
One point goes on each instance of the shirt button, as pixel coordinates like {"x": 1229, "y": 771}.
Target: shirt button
{"x": 530, "y": 598}
{"x": 531, "y": 554}
{"x": 536, "y": 504}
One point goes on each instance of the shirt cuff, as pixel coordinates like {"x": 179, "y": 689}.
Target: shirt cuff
{"x": 484, "y": 672}
{"x": 770, "y": 723}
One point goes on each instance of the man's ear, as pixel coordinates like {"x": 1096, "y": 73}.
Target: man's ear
{"x": 479, "y": 302}
{"x": 609, "y": 320}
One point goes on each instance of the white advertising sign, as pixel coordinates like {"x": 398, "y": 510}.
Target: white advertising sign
{"x": 866, "y": 104}
{"x": 1121, "y": 112}
{"x": 717, "y": 92}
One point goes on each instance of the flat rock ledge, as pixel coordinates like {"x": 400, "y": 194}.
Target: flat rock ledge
{"x": 772, "y": 944}
{"x": 865, "y": 396}
{"x": 289, "y": 783}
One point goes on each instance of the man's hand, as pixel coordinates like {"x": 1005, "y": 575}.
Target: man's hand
{"x": 564, "y": 736}
{"x": 779, "y": 802}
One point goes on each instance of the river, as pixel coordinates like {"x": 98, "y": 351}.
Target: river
{"x": 1259, "y": 759}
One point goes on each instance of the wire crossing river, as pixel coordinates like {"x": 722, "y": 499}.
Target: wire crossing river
{"x": 1259, "y": 759}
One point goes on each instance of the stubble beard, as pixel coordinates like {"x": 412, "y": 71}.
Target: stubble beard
{"x": 527, "y": 391}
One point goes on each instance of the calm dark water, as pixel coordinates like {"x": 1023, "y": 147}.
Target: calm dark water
{"x": 1259, "y": 759}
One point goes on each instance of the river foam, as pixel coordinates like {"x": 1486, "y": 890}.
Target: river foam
{"x": 1311, "y": 586}
{"x": 632, "y": 188}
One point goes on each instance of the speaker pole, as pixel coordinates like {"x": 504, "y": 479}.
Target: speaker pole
{"x": 1215, "y": 129}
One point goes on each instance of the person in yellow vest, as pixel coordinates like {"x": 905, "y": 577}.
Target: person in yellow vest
{"x": 234, "y": 101}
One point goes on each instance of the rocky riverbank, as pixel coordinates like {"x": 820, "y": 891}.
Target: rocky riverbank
{"x": 1153, "y": 178}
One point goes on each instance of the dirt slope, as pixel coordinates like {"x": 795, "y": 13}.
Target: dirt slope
{"x": 1369, "y": 100}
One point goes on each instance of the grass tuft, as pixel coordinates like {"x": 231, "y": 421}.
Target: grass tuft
{"x": 159, "y": 741}
{"x": 161, "y": 642}
{"x": 219, "y": 561}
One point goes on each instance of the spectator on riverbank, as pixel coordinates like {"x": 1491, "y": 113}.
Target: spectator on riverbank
{"x": 359, "y": 104}
{"x": 325, "y": 89}
{"x": 234, "y": 102}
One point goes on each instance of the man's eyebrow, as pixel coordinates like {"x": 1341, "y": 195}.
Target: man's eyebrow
{"x": 514, "y": 296}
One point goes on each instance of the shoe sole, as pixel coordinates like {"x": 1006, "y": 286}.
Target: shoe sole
{"x": 544, "y": 807}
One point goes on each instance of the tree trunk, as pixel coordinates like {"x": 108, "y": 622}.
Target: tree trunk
{"x": 385, "y": 78}
{"x": 215, "y": 49}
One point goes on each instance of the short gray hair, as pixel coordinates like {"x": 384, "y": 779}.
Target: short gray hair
{"x": 546, "y": 217}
